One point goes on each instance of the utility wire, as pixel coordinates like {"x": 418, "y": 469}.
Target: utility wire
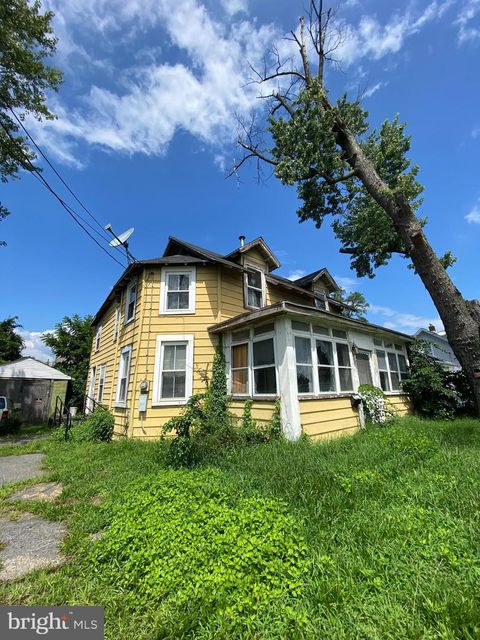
{"x": 103, "y": 235}
{"x": 71, "y": 212}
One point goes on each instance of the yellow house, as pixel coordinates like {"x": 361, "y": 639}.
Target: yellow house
{"x": 284, "y": 339}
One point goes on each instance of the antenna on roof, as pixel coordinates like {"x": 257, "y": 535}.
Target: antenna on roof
{"x": 121, "y": 240}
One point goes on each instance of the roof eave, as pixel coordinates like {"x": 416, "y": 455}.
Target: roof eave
{"x": 293, "y": 308}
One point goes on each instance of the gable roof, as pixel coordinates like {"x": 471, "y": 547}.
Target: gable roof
{"x": 311, "y": 278}
{"x": 260, "y": 244}
{"x": 31, "y": 369}
{"x": 176, "y": 246}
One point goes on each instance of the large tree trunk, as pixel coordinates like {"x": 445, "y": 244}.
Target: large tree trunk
{"x": 461, "y": 318}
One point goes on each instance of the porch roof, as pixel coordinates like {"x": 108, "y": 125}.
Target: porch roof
{"x": 311, "y": 313}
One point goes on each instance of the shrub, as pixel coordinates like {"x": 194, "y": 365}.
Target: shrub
{"x": 206, "y": 427}
{"x": 193, "y": 543}
{"x": 377, "y": 408}
{"x": 275, "y": 430}
{"x": 431, "y": 388}
{"x": 97, "y": 427}
{"x": 11, "y": 424}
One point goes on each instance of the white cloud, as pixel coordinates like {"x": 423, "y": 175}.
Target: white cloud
{"x": 35, "y": 347}
{"x": 235, "y": 6}
{"x": 400, "y": 321}
{"x": 295, "y": 275}
{"x": 371, "y": 90}
{"x": 370, "y": 39}
{"x": 476, "y": 132}
{"x": 201, "y": 96}
{"x": 466, "y": 31}
{"x": 349, "y": 284}
{"x": 474, "y": 215}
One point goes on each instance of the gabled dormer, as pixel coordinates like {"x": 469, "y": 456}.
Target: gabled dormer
{"x": 257, "y": 252}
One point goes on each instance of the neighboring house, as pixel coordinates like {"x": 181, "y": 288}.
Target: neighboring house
{"x": 31, "y": 388}
{"x": 439, "y": 347}
{"x": 157, "y": 331}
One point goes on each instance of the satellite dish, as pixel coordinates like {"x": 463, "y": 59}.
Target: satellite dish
{"x": 122, "y": 238}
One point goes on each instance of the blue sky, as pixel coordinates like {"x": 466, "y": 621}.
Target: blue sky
{"x": 146, "y": 120}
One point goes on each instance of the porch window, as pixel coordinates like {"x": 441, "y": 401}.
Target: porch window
{"x": 264, "y": 374}
{"x": 254, "y": 289}
{"x": 123, "y": 376}
{"x": 303, "y": 353}
{"x": 177, "y": 291}
{"x": 383, "y": 370}
{"x": 394, "y": 371}
{"x": 392, "y": 368}
{"x": 326, "y": 366}
{"x": 130, "y": 301}
{"x": 344, "y": 366}
{"x": 240, "y": 368}
{"x": 173, "y": 376}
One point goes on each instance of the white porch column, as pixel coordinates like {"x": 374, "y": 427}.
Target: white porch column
{"x": 287, "y": 379}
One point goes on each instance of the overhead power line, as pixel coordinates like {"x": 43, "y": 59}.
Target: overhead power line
{"x": 71, "y": 212}
{"x": 57, "y": 173}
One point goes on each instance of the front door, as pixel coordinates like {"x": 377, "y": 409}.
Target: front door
{"x": 91, "y": 390}
{"x": 362, "y": 361}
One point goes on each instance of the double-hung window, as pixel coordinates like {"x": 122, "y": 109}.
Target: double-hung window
{"x": 98, "y": 336}
{"x": 326, "y": 366}
{"x": 123, "y": 376}
{"x": 130, "y": 301}
{"x": 254, "y": 288}
{"x": 101, "y": 382}
{"x": 240, "y": 369}
{"x": 116, "y": 322}
{"x": 264, "y": 373}
{"x": 303, "y": 351}
{"x": 178, "y": 290}
{"x": 173, "y": 378}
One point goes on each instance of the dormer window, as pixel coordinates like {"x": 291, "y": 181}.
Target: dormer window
{"x": 254, "y": 288}
{"x": 320, "y": 302}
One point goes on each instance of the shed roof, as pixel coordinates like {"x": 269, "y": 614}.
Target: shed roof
{"x": 31, "y": 369}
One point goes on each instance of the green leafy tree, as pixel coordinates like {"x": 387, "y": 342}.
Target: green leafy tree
{"x": 11, "y": 344}
{"x": 360, "y": 177}
{"x": 356, "y": 301}
{"x": 71, "y": 342}
{"x": 26, "y": 40}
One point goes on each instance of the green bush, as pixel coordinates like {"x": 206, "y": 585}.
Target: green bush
{"x": 97, "y": 427}
{"x": 192, "y": 545}
{"x": 432, "y": 389}
{"x": 206, "y": 427}
{"x": 11, "y": 424}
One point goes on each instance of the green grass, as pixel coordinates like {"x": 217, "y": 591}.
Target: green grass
{"x": 391, "y": 518}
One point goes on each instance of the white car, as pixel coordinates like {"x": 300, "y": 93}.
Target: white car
{"x": 3, "y": 408}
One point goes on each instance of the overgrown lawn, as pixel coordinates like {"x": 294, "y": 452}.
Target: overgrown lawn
{"x": 390, "y": 520}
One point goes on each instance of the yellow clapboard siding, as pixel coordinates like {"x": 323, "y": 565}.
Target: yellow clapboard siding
{"x": 330, "y": 435}
{"x": 326, "y": 404}
{"x": 320, "y": 417}
{"x": 261, "y": 410}
{"x": 326, "y": 416}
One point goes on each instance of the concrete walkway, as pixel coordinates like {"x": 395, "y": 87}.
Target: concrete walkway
{"x": 16, "y": 468}
{"x": 28, "y": 542}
